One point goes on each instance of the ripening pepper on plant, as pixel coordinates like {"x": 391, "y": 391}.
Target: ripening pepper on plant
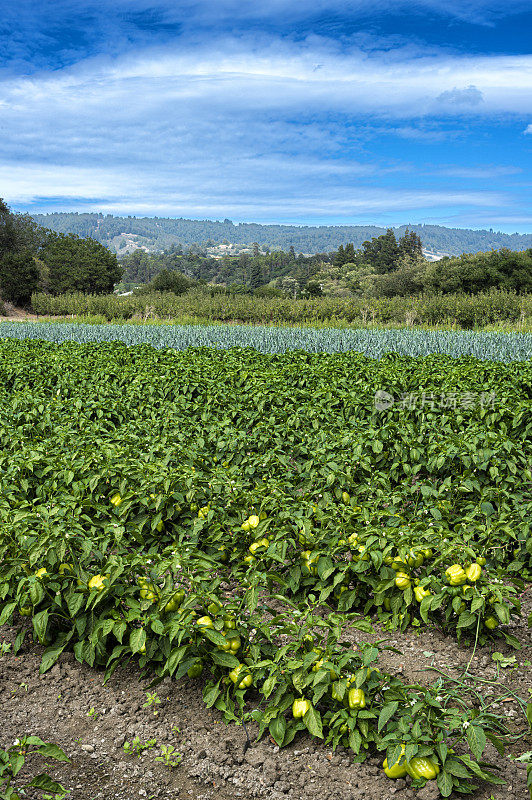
{"x": 420, "y": 592}
{"x": 356, "y": 698}
{"x": 473, "y": 573}
{"x": 205, "y": 622}
{"x": 195, "y": 670}
{"x": 174, "y": 602}
{"x": 456, "y": 575}
{"x": 239, "y": 678}
{"x": 396, "y": 770}
{"x": 264, "y": 543}
{"x": 232, "y": 645}
{"x": 402, "y": 580}
{"x": 41, "y": 573}
{"x": 300, "y": 708}
{"x": 309, "y": 560}
{"x": 422, "y": 768}
{"x": 415, "y": 559}
{"x": 97, "y": 583}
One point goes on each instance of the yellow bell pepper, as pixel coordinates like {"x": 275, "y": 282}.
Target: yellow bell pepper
{"x": 420, "y": 592}
{"x": 396, "y": 770}
{"x": 456, "y": 575}
{"x": 300, "y": 708}
{"x": 356, "y": 698}
{"x": 473, "y": 573}
{"x": 422, "y": 768}
{"x": 402, "y": 580}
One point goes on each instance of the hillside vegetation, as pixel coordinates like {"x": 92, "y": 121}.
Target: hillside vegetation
{"x": 157, "y": 233}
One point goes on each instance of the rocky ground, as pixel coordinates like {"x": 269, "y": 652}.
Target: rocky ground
{"x": 91, "y": 721}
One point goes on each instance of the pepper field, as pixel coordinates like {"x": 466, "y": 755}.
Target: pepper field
{"x": 327, "y": 551}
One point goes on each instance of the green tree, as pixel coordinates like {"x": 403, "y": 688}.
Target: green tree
{"x": 349, "y": 253}
{"x": 168, "y": 281}
{"x": 8, "y": 230}
{"x": 410, "y": 245}
{"x": 19, "y": 277}
{"x": 406, "y": 280}
{"x": 381, "y": 252}
{"x": 313, "y": 289}
{"x": 79, "y": 265}
{"x": 18, "y": 231}
{"x": 339, "y": 257}
{"x": 255, "y": 277}
{"x": 478, "y": 272}
{"x": 20, "y": 238}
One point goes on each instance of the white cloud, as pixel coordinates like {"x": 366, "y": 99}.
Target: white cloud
{"x": 264, "y": 73}
{"x": 528, "y": 129}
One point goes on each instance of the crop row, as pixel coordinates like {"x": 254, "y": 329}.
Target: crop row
{"x": 170, "y": 612}
{"x": 505, "y": 347}
{"x": 458, "y": 309}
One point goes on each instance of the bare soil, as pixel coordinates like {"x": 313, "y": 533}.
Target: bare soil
{"x": 15, "y": 314}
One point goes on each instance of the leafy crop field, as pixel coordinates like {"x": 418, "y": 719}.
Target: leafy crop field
{"x": 265, "y": 339}
{"x": 264, "y": 525}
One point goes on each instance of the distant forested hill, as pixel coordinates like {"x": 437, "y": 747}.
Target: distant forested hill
{"x": 157, "y": 234}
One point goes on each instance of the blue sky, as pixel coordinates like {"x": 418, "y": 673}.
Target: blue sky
{"x": 319, "y": 112}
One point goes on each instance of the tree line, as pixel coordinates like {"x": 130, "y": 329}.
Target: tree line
{"x": 33, "y": 258}
{"x": 385, "y": 266}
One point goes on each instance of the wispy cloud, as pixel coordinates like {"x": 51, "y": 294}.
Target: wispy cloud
{"x": 112, "y": 191}
{"x": 486, "y": 172}
{"x": 470, "y": 96}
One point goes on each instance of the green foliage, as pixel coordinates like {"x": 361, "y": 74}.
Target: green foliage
{"x": 18, "y": 232}
{"x": 136, "y": 747}
{"x": 19, "y": 277}
{"x": 75, "y": 264}
{"x": 31, "y": 257}
{"x": 501, "y": 269}
{"x": 167, "y": 281}
{"x": 12, "y": 761}
{"x": 382, "y": 252}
